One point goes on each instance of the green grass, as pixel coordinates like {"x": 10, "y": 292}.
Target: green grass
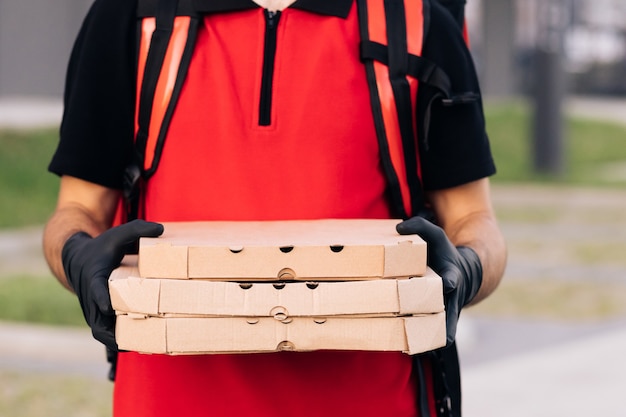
{"x": 508, "y": 128}
{"x": 38, "y": 299}
{"x": 594, "y": 151}
{"x": 28, "y": 191}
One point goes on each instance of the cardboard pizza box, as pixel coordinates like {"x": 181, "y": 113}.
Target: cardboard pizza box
{"x": 205, "y": 335}
{"x": 382, "y": 297}
{"x": 282, "y": 250}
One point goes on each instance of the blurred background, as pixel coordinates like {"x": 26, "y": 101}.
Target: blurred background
{"x": 549, "y": 342}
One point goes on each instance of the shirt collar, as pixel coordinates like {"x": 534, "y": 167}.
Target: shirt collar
{"x": 338, "y": 8}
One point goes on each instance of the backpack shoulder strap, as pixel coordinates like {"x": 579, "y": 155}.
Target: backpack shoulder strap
{"x": 392, "y": 34}
{"x": 392, "y": 37}
{"x": 167, "y": 31}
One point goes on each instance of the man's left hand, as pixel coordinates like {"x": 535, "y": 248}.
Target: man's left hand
{"x": 459, "y": 267}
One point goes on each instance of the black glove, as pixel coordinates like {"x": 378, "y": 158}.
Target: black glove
{"x": 88, "y": 262}
{"x": 459, "y": 268}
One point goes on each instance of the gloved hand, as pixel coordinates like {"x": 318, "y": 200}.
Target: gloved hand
{"x": 459, "y": 267}
{"x": 88, "y": 262}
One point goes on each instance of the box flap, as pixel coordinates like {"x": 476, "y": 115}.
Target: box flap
{"x": 141, "y": 334}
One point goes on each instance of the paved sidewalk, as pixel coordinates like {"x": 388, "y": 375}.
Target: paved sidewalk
{"x": 583, "y": 376}
{"x": 59, "y": 350}
{"x": 27, "y": 112}
{"x": 21, "y": 252}
{"x": 601, "y": 108}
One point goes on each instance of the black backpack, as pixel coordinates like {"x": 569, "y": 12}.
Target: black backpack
{"x": 404, "y": 183}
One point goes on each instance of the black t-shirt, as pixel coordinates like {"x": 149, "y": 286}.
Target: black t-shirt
{"x": 96, "y": 133}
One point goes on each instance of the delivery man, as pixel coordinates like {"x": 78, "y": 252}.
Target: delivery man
{"x": 273, "y": 122}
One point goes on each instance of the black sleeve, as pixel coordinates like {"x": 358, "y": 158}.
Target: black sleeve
{"x": 96, "y": 134}
{"x": 456, "y": 149}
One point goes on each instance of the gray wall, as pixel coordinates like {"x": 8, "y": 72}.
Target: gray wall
{"x": 36, "y": 37}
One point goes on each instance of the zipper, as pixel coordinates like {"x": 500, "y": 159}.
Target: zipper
{"x": 269, "y": 55}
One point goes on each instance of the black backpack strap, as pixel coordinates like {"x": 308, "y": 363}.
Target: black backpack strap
{"x": 426, "y": 71}
{"x": 393, "y": 181}
{"x": 422, "y": 393}
{"x": 165, "y": 13}
{"x": 395, "y": 15}
{"x": 447, "y": 381}
{"x": 394, "y": 130}
{"x": 421, "y": 68}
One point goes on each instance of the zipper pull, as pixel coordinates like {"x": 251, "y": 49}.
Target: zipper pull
{"x": 272, "y": 18}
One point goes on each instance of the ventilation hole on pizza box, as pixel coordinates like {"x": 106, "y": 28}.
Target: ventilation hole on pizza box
{"x": 236, "y": 249}
{"x": 286, "y": 345}
{"x": 286, "y": 273}
{"x": 312, "y": 285}
{"x": 286, "y": 249}
{"x": 319, "y": 320}
{"x": 279, "y": 285}
{"x": 279, "y": 313}
{"x": 336, "y": 248}
{"x": 252, "y": 320}
{"x": 245, "y": 286}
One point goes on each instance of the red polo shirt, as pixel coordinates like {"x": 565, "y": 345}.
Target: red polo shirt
{"x": 302, "y": 148}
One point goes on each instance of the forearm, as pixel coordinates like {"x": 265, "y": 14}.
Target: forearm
{"x": 467, "y": 216}
{"x": 64, "y": 223}
{"x": 82, "y": 207}
{"x": 480, "y": 232}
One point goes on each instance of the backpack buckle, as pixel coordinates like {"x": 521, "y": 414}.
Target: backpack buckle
{"x": 132, "y": 175}
{"x": 463, "y": 98}
{"x": 444, "y": 406}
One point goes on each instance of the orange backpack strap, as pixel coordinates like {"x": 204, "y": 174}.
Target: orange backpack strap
{"x": 167, "y": 36}
{"x": 392, "y": 35}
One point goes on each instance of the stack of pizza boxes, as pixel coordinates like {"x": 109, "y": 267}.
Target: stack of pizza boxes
{"x": 228, "y": 287}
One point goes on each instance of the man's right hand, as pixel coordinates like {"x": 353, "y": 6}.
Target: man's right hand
{"x": 88, "y": 262}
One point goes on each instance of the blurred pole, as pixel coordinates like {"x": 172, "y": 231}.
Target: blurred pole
{"x": 550, "y": 87}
